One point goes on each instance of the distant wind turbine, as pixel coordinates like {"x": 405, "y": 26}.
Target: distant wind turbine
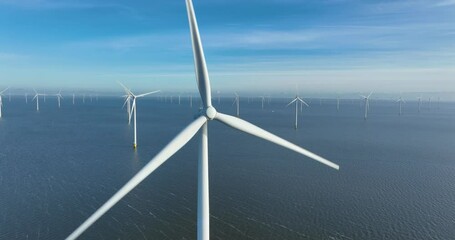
{"x": 37, "y": 98}
{"x": 400, "y": 101}
{"x": 134, "y": 109}
{"x": 338, "y": 103}
{"x": 297, "y": 100}
{"x": 237, "y": 102}
{"x": 419, "y": 99}
{"x": 367, "y": 104}
{"x": 199, "y": 124}
{"x": 1, "y": 101}
{"x": 26, "y": 98}
{"x": 262, "y": 101}
{"x": 59, "y": 97}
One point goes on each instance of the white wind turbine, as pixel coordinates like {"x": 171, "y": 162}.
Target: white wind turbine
{"x": 26, "y": 98}
{"x": 262, "y": 101}
{"x": 1, "y": 101}
{"x": 199, "y": 124}
{"x": 297, "y": 99}
{"x": 37, "y": 98}
{"x": 237, "y": 102}
{"x": 59, "y": 97}
{"x": 367, "y": 104}
{"x": 134, "y": 109}
{"x": 400, "y": 101}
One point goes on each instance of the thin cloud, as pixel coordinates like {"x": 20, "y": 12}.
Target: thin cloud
{"x": 445, "y": 3}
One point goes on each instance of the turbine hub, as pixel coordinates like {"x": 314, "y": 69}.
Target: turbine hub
{"x": 210, "y": 112}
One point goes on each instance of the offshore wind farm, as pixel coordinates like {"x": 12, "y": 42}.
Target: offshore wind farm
{"x": 251, "y": 159}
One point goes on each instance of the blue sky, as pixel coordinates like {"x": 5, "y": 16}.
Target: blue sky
{"x": 319, "y": 45}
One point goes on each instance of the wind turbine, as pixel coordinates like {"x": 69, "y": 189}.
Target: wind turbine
{"x": 338, "y": 103}
{"x": 1, "y": 101}
{"x": 133, "y": 109}
{"x": 419, "y": 102}
{"x": 297, "y": 99}
{"x": 400, "y": 101}
{"x": 199, "y": 124}
{"x": 37, "y": 98}
{"x": 26, "y": 98}
{"x": 73, "y": 98}
{"x": 237, "y": 102}
{"x": 262, "y": 101}
{"x": 59, "y": 96}
{"x": 367, "y": 104}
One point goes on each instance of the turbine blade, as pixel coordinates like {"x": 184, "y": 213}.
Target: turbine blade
{"x": 295, "y": 99}
{"x": 127, "y": 90}
{"x": 176, "y": 144}
{"x": 249, "y": 128}
{"x": 133, "y": 108}
{"x": 126, "y": 100}
{"x": 370, "y": 94}
{"x": 145, "y": 94}
{"x": 200, "y": 66}
{"x": 4, "y": 90}
{"x": 301, "y": 100}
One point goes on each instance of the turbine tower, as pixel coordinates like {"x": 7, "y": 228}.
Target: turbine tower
{"x": 199, "y": 124}
{"x": 367, "y": 104}
{"x": 297, "y": 99}
{"x": 338, "y": 103}
{"x": 237, "y": 102}
{"x": 133, "y": 109}
{"x": 1, "y": 101}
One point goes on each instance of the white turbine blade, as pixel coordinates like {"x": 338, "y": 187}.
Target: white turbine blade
{"x": 4, "y": 90}
{"x": 123, "y": 86}
{"x": 369, "y": 94}
{"x": 145, "y": 94}
{"x": 301, "y": 100}
{"x": 247, "y": 127}
{"x": 295, "y": 99}
{"x": 126, "y": 100}
{"x": 363, "y": 96}
{"x": 200, "y": 66}
{"x": 127, "y": 90}
{"x": 171, "y": 148}
{"x": 133, "y": 109}
{"x": 36, "y": 95}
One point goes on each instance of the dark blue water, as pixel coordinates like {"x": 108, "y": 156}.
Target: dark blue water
{"x": 396, "y": 181}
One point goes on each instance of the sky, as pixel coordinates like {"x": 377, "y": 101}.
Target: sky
{"x": 250, "y": 45}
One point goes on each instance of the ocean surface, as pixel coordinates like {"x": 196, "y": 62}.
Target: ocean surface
{"x": 396, "y": 177}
